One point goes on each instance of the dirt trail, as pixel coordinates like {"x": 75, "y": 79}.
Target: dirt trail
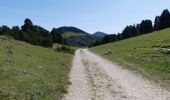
{"x": 94, "y": 78}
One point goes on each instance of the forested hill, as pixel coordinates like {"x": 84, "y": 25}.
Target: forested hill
{"x": 72, "y": 29}
{"x": 76, "y": 37}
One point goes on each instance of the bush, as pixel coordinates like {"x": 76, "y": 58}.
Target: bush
{"x": 65, "y": 49}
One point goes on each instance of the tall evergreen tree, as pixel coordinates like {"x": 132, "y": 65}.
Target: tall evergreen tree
{"x": 129, "y": 31}
{"x": 138, "y": 29}
{"x": 157, "y": 23}
{"x": 165, "y": 19}
{"x": 109, "y": 39}
{"x": 146, "y": 27}
{"x": 119, "y": 36}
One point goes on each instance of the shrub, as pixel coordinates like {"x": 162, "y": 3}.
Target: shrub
{"x": 65, "y": 49}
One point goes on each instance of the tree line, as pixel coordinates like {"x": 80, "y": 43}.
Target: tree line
{"x": 145, "y": 27}
{"x": 37, "y": 35}
{"x": 33, "y": 34}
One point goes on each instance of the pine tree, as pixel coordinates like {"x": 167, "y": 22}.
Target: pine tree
{"x": 157, "y": 23}
{"x": 165, "y": 19}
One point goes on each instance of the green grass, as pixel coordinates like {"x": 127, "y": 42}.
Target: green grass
{"x": 31, "y": 72}
{"x": 147, "y": 54}
{"x": 71, "y": 34}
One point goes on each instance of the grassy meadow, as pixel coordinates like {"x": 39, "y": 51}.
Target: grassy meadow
{"x": 148, "y": 54}
{"x": 30, "y": 72}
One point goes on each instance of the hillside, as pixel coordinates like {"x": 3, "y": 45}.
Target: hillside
{"x": 72, "y": 29}
{"x": 99, "y": 34}
{"x": 30, "y": 72}
{"x": 77, "y": 37}
{"x": 148, "y": 54}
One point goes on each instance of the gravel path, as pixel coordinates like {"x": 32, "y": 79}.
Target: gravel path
{"x": 94, "y": 78}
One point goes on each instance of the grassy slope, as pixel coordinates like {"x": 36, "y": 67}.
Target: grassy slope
{"x": 138, "y": 54}
{"x": 32, "y": 71}
{"x": 70, "y": 34}
{"x": 79, "y": 39}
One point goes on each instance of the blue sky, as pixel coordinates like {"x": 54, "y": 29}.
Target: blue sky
{"x": 109, "y": 16}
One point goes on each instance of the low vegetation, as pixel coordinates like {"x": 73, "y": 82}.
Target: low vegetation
{"x": 148, "y": 54}
{"x": 30, "y": 72}
{"x": 64, "y": 48}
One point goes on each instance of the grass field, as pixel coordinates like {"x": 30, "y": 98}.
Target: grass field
{"x": 148, "y": 54}
{"x": 30, "y": 72}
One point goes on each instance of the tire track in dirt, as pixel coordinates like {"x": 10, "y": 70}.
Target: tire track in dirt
{"x": 102, "y": 86}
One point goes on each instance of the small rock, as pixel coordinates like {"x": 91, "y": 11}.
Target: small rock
{"x": 13, "y": 93}
{"x": 40, "y": 67}
{"x": 24, "y": 72}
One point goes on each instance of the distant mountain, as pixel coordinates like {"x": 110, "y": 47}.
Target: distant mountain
{"x": 99, "y": 34}
{"x": 76, "y": 37}
{"x": 72, "y": 29}
{"x": 79, "y": 39}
